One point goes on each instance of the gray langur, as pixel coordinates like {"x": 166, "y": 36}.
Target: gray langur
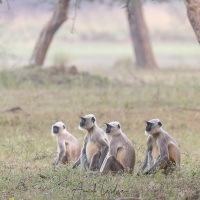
{"x": 162, "y": 151}
{"x": 95, "y": 146}
{"x": 121, "y": 156}
{"x": 68, "y": 146}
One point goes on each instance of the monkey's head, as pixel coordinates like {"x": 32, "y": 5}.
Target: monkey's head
{"x": 57, "y": 128}
{"x": 153, "y": 126}
{"x": 113, "y": 128}
{"x": 87, "y": 122}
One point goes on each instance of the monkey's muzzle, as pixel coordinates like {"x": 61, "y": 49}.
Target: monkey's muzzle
{"x": 83, "y": 121}
{"x": 108, "y": 128}
{"x": 149, "y": 126}
{"x": 55, "y": 129}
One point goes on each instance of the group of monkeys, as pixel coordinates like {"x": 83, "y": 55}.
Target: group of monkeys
{"x": 110, "y": 151}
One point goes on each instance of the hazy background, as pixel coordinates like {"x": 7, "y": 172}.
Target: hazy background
{"x": 100, "y": 37}
{"x": 33, "y": 98}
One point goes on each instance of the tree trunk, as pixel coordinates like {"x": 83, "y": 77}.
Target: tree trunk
{"x": 193, "y": 12}
{"x": 139, "y": 35}
{"x": 46, "y": 36}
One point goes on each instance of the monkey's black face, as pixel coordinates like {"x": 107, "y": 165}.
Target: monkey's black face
{"x": 113, "y": 128}
{"x": 86, "y": 121}
{"x": 149, "y": 126}
{"x": 83, "y": 122}
{"x": 55, "y": 129}
{"x": 108, "y": 128}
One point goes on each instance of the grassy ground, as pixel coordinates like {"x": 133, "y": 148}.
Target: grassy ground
{"x": 130, "y": 96}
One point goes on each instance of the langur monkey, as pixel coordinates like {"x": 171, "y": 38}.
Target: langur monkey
{"x": 162, "y": 151}
{"x": 121, "y": 156}
{"x": 68, "y": 146}
{"x": 95, "y": 146}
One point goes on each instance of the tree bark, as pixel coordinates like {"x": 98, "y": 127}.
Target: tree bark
{"x": 193, "y": 13}
{"x": 46, "y": 35}
{"x": 140, "y": 36}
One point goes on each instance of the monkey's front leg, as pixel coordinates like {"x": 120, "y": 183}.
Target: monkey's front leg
{"x": 58, "y": 158}
{"x": 82, "y": 158}
{"x": 143, "y": 165}
{"x": 103, "y": 153}
{"x": 150, "y": 160}
{"x": 60, "y": 154}
{"x": 161, "y": 162}
{"x": 148, "y": 156}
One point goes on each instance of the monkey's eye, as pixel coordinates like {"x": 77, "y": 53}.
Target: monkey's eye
{"x": 63, "y": 126}
{"x": 160, "y": 124}
{"x": 118, "y": 126}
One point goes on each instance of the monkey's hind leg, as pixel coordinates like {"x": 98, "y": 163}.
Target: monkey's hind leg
{"x": 65, "y": 158}
{"x": 113, "y": 165}
{"x": 94, "y": 164}
{"x": 170, "y": 168}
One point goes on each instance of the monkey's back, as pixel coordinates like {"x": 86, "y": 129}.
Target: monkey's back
{"x": 73, "y": 148}
{"x": 126, "y": 153}
{"x": 174, "y": 151}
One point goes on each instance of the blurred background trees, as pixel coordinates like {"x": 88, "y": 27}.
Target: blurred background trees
{"x": 139, "y": 35}
{"x": 116, "y": 28}
{"x": 138, "y": 31}
{"x": 193, "y": 12}
{"x": 47, "y": 33}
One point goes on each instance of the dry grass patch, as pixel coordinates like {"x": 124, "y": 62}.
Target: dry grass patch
{"x": 27, "y": 149}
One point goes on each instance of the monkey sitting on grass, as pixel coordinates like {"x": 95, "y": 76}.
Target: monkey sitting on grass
{"x": 162, "y": 151}
{"x": 121, "y": 155}
{"x": 68, "y": 146}
{"x": 95, "y": 147}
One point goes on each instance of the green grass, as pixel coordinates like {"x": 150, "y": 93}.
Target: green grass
{"x": 180, "y": 49}
{"x": 27, "y": 149}
{"x": 98, "y": 49}
{"x": 101, "y": 54}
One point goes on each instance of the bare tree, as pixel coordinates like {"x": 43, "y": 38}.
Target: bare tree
{"x": 46, "y": 35}
{"x": 140, "y": 36}
{"x": 193, "y": 12}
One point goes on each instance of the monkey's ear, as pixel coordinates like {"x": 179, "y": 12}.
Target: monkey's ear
{"x": 148, "y": 122}
{"x": 63, "y": 126}
{"x": 93, "y": 119}
{"x": 118, "y": 126}
{"x": 106, "y": 124}
{"x": 160, "y": 124}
